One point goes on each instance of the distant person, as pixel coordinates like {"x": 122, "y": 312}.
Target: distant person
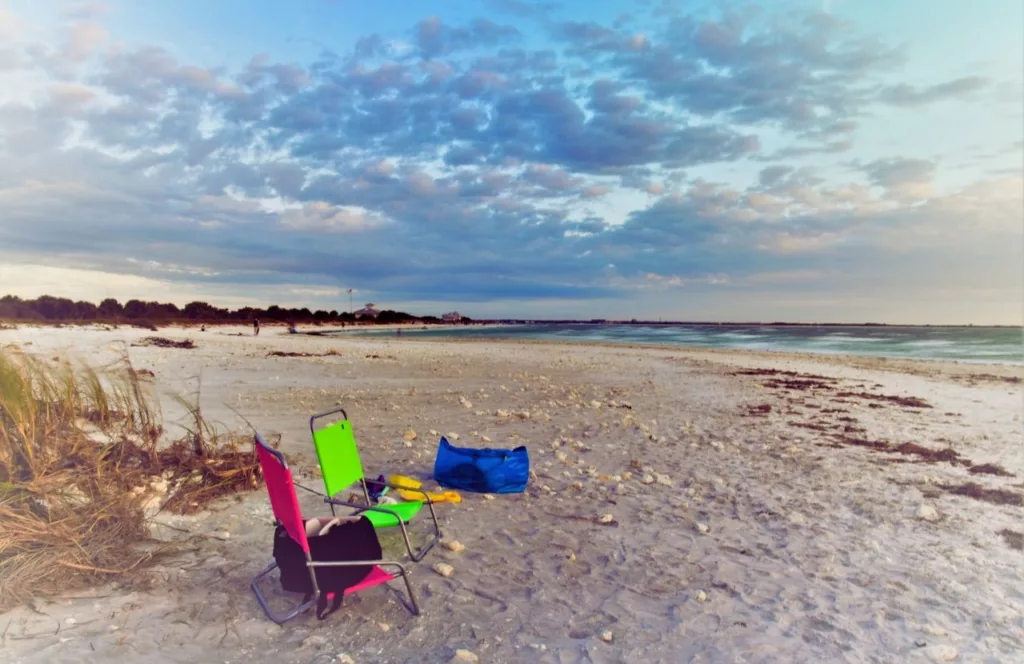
{"x": 398, "y": 332}
{"x": 256, "y": 327}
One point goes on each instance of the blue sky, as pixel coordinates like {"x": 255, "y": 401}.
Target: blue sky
{"x": 801, "y": 160}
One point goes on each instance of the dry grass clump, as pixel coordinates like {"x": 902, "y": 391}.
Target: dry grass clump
{"x": 80, "y": 452}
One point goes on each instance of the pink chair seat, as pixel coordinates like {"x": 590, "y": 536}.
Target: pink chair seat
{"x": 375, "y": 578}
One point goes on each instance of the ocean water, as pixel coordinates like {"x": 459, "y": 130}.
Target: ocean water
{"x": 966, "y": 344}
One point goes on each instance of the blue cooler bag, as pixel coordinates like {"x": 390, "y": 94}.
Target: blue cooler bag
{"x": 482, "y": 471}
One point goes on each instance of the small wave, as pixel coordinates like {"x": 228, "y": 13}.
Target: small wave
{"x": 849, "y": 338}
{"x": 929, "y": 343}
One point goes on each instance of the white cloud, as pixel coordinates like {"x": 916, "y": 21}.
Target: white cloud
{"x": 321, "y": 216}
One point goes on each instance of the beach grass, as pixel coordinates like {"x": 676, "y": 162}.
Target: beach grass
{"x": 82, "y": 457}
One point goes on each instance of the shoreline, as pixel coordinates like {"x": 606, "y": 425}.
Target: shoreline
{"x": 1007, "y": 369}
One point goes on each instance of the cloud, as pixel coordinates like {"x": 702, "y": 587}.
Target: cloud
{"x": 808, "y": 75}
{"x": 910, "y": 96}
{"x": 320, "y": 216}
{"x": 434, "y": 38}
{"x": 908, "y": 179}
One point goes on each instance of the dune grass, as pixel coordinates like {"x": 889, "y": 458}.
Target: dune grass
{"x": 80, "y": 450}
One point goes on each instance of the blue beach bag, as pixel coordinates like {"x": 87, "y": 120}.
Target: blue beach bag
{"x": 482, "y": 470}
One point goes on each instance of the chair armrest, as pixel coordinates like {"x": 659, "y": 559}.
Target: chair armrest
{"x": 343, "y": 563}
{"x": 362, "y": 508}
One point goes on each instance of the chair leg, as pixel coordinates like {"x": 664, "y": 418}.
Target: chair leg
{"x": 278, "y": 618}
{"x": 418, "y": 555}
{"x": 437, "y": 532}
{"x": 412, "y": 606}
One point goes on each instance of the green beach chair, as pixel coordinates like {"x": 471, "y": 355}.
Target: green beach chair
{"x": 341, "y": 467}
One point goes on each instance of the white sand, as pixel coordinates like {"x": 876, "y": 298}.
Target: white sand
{"x": 812, "y": 553}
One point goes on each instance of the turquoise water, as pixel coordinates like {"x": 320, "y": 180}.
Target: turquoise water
{"x": 968, "y": 344}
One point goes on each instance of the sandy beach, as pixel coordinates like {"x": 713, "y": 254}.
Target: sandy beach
{"x": 765, "y": 507}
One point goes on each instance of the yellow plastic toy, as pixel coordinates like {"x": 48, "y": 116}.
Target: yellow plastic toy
{"x": 403, "y": 482}
{"x": 406, "y": 483}
{"x": 435, "y": 497}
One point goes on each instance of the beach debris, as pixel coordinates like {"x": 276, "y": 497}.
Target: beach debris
{"x": 595, "y": 404}
{"x": 578, "y": 486}
{"x": 384, "y": 627}
{"x": 990, "y": 469}
{"x": 647, "y": 479}
{"x": 523, "y": 414}
{"x": 942, "y": 653}
{"x": 443, "y": 569}
{"x": 314, "y": 641}
{"x": 485, "y": 439}
{"x": 561, "y": 456}
{"x": 906, "y": 402}
{"x": 453, "y": 545}
{"x": 164, "y": 342}
{"x": 501, "y": 413}
{"x": 1013, "y": 539}
{"x": 451, "y": 435}
{"x": 410, "y": 435}
{"x": 703, "y": 528}
{"x": 978, "y": 492}
{"x": 759, "y": 410}
{"x": 662, "y": 479}
{"x": 606, "y": 519}
{"x": 463, "y": 655}
{"x": 289, "y": 353}
{"x": 466, "y": 403}
{"x": 701, "y": 596}
{"x": 488, "y": 496}
{"x": 607, "y": 636}
{"x": 344, "y": 658}
{"x": 570, "y": 555}
{"x": 926, "y": 513}
{"x": 933, "y": 630}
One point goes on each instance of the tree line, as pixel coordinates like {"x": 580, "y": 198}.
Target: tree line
{"x": 63, "y": 310}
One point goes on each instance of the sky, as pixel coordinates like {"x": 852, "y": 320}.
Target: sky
{"x": 797, "y": 160}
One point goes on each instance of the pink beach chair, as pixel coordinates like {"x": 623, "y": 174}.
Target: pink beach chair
{"x": 288, "y": 514}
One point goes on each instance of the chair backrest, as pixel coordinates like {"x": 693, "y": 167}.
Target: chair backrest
{"x": 281, "y": 488}
{"x": 339, "y": 458}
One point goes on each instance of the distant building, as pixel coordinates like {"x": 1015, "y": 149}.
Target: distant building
{"x": 451, "y": 317}
{"x": 369, "y": 311}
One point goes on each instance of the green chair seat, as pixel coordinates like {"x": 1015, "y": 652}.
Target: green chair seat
{"x": 405, "y": 511}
